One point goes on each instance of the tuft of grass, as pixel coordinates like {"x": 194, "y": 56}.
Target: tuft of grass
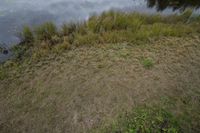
{"x": 68, "y": 29}
{"x": 112, "y": 20}
{"x": 88, "y": 39}
{"x": 27, "y": 35}
{"x": 46, "y": 31}
{"x": 146, "y": 120}
{"x": 65, "y": 45}
{"x": 147, "y": 63}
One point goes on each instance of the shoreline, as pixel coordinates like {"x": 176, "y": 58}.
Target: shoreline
{"x": 58, "y": 30}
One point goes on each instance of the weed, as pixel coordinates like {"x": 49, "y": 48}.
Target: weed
{"x": 147, "y": 63}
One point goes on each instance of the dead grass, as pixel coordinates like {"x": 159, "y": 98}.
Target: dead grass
{"x": 85, "y": 89}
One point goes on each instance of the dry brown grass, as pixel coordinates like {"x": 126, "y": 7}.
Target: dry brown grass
{"x": 87, "y": 88}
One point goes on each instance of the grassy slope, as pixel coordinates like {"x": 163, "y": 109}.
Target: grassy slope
{"x": 86, "y": 88}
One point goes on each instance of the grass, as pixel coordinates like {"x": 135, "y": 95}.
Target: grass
{"x": 27, "y": 35}
{"x": 82, "y": 77}
{"x": 87, "y": 88}
{"x": 46, "y": 32}
{"x": 146, "y": 120}
{"x": 68, "y": 29}
{"x": 110, "y": 27}
{"x": 147, "y": 63}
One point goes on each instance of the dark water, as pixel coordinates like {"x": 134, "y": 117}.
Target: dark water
{"x": 16, "y": 13}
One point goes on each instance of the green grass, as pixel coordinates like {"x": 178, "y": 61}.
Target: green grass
{"x": 145, "y": 120}
{"x": 110, "y": 21}
{"x": 46, "y": 31}
{"x": 109, "y": 27}
{"x": 147, "y": 63}
{"x": 27, "y": 35}
{"x": 68, "y": 29}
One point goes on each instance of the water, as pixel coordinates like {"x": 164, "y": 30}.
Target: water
{"x": 14, "y": 14}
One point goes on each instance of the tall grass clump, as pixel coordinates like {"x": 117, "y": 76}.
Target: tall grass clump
{"x": 68, "y": 29}
{"x": 110, "y": 21}
{"x": 146, "y": 120}
{"x": 27, "y": 35}
{"x": 46, "y": 31}
{"x": 147, "y": 63}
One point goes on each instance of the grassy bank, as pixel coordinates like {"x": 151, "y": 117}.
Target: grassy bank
{"x": 115, "y": 73}
{"x": 109, "y": 27}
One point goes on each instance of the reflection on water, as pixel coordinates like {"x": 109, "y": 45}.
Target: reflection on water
{"x": 174, "y": 4}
